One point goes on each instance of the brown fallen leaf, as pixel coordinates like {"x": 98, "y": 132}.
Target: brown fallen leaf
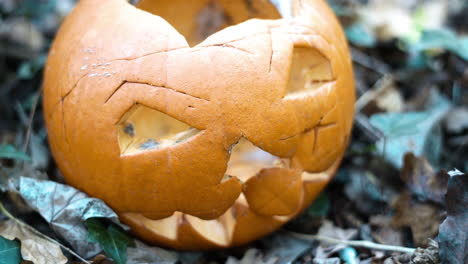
{"x": 383, "y": 232}
{"x": 252, "y": 256}
{"x": 422, "y": 181}
{"x": 422, "y": 218}
{"x": 33, "y": 248}
{"x": 325, "y": 250}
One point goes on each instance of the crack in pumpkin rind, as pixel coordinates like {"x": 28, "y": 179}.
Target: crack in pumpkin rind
{"x": 195, "y": 48}
{"x": 154, "y": 86}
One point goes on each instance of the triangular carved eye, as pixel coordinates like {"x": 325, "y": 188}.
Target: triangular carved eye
{"x": 309, "y": 71}
{"x": 143, "y": 128}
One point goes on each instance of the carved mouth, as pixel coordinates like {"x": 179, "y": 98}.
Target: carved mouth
{"x": 247, "y": 160}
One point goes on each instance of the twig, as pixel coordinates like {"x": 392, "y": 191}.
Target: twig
{"x": 365, "y": 125}
{"x": 31, "y": 117}
{"x": 368, "y": 62}
{"x": 353, "y": 243}
{"x": 33, "y": 230}
{"x": 372, "y": 94}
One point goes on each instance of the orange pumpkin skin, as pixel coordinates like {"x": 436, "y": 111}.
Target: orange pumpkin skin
{"x": 205, "y": 145}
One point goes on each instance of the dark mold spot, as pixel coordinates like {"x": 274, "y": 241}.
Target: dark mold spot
{"x": 129, "y": 130}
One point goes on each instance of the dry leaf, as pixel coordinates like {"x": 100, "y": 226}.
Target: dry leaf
{"x": 325, "y": 250}
{"x": 383, "y": 232}
{"x": 453, "y": 235}
{"x": 252, "y": 256}
{"x": 33, "y": 248}
{"x": 143, "y": 254}
{"x": 422, "y": 181}
{"x": 65, "y": 209}
{"x": 422, "y": 218}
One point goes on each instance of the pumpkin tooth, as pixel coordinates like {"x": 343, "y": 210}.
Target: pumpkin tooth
{"x": 166, "y": 228}
{"x": 218, "y": 231}
{"x": 283, "y": 218}
{"x": 315, "y": 177}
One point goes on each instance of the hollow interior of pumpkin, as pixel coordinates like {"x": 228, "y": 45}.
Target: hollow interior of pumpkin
{"x": 198, "y": 19}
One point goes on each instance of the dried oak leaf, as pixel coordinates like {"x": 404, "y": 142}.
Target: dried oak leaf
{"x": 143, "y": 254}
{"x": 325, "y": 250}
{"x": 383, "y": 232}
{"x": 33, "y": 248}
{"x": 252, "y": 256}
{"x": 422, "y": 218}
{"x": 422, "y": 181}
{"x": 65, "y": 209}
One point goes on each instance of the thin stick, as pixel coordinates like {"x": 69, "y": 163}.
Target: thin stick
{"x": 33, "y": 230}
{"x": 368, "y": 62}
{"x": 353, "y": 243}
{"x": 31, "y": 117}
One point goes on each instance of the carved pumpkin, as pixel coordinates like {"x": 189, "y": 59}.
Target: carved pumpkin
{"x": 200, "y": 126}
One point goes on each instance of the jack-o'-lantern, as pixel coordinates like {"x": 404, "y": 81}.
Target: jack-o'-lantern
{"x": 204, "y": 123}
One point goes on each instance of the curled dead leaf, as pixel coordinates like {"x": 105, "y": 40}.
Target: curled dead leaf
{"x": 33, "y": 248}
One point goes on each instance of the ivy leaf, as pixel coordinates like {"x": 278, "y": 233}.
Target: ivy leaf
{"x": 443, "y": 39}
{"x": 321, "y": 206}
{"x": 9, "y": 251}
{"x": 360, "y": 35}
{"x": 414, "y": 132}
{"x": 113, "y": 240}
{"x": 10, "y": 152}
{"x": 34, "y": 248}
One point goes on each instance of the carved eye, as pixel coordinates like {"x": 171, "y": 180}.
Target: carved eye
{"x": 143, "y": 128}
{"x": 309, "y": 71}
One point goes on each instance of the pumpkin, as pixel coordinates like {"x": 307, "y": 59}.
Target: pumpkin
{"x": 204, "y": 124}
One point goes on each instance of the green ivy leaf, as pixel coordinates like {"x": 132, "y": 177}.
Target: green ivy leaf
{"x": 321, "y": 206}
{"x": 111, "y": 238}
{"x": 433, "y": 42}
{"x": 360, "y": 35}
{"x": 10, "y": 252}
{"x": 10, "y": 152}
{"x": 27, "y": 70}
{"x": 414, "y": 132}
{"x": 444, "y": 39}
